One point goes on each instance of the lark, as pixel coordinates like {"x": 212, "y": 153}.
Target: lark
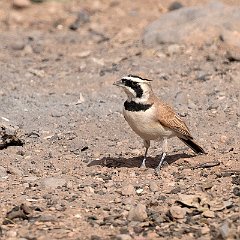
{"x": 151, "y": 118}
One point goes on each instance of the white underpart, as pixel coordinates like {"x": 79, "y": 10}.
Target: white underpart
{"x": 145, "y": 125}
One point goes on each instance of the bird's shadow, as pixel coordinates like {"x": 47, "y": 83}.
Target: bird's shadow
{"x": 151, "y": 162}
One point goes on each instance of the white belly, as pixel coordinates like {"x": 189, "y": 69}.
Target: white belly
{"x": 146, "y": 125}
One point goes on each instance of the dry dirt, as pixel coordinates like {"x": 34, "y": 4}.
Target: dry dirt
{"x": 77, "y": 174}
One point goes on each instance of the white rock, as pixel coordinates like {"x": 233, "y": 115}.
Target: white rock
{"x": 53, "y": 182}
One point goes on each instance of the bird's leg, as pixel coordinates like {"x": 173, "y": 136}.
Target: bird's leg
{"x": 164, "y": 149}
{"x": 146, "y": 145}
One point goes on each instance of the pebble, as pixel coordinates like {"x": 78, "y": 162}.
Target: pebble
{"x": 3, "y": 172}
{"x": 202, "y": 76}
{"x": 15, "y": 171}
{"x": 38, "y": 73}
{"x": 139, "y": 191}
{"x": 11, "y": 234}
{"x": 173, "y": 49}
{"x": 137, "y": 213}
{"x": 236, "y": 180}
{"x": 28, "y": 49}
{"x": 233, "y": 55}
{"x": 21, "y": 3}
{"x": 177, "y": 212}
{"x": 205, "y": 230}
{"x": 223, "y": 139}
{"x": 154, "y": 187}
{"x": 117, "y": 200}
{"x": 47, "y": 218}
{"x": 224, "y": 230}
{"x": 30, "y": 179}
{"x": 209, "y": 214}
{"x": 18, "y": 45}
{"x": 174, "y": 6}
{"x": 128, "y": 190}
{"x": 236, "y": 191}
{"x": 89, "y": 189}
{"x": 95, "y": 237}
{"x": 53, "y": 182}
{"x": 123, "y": 237}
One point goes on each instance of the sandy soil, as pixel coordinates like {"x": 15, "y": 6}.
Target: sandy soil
{"x": 77, "y": 174}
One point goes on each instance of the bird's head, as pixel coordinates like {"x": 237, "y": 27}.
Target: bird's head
{"x": 135, "y": 86}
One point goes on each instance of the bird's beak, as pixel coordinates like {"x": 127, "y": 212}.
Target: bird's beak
{"x": 118, "y": 83}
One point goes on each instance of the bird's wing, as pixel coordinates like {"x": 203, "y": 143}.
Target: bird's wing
{"x": 168, "y": 118}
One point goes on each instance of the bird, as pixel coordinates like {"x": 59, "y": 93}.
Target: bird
{"x": 151, "y": 118}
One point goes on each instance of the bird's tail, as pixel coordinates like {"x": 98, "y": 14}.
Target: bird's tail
{"x": 195, "y": 147}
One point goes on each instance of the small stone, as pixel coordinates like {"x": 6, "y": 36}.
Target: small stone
{"x": 202, "y": 76}
{"x": 53, "y": 182}
{"x": 205, "y": 230}
{"x": 89, "y": 189}
{"x": 154, "y": 187}
{"x": 175, "y": 6}
{"x": 83, "y": 54}
{"x": 26, "y": 185}
{"x": 3, "y": 172}
{"x": 173, "y": 49}
{"x": 18, "y": 45}
{"x": 236, "y": 191}
{"x": 137, "y": 213}
{"x": 177, "y": 212}
{"x": 223, "y": 139}
{"x": 176, "y": 190}
{"x": 123, "y": 237}
{"x": 210, "y": 57}
{"x": 21, "y": 3}
{"x": 15, "y": 171}
{"x": 236, "y": 180}
{"x": 11, "y": 234}
{"x": 117, "y": 200}
{"x": 30, "y": 179}
{"x": 207, "y": 185}
{"x": 95, "y": 237}
{"x": 224, "y": 230}
{"x": 128, "y": 190}
{"x": 139, "y": 191}
{"x": 233, "y": 55}
{"x": 28, "y": 49}
{"x": 38, "y": 73}
{"x": 209, "y": 214}
{"x": 47, "y": 218}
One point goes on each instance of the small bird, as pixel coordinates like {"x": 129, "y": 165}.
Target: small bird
{"x": 151, "y": 118}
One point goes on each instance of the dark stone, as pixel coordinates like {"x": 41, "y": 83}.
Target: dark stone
{"x": 175, "y": 6}
{"x": 236, "y": 191}
{"x": 236, "y": 180}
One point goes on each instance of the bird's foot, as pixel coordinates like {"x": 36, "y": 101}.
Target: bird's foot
{"x": 143, "y": 165}
{"x": 160, "y": 163}
{"x": 157, "y": 169}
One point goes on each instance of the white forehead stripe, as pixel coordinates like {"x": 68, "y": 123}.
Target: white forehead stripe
{"x": 135, "y": 79}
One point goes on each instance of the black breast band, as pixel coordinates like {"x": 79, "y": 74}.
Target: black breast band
{"x": 136, "y": 107}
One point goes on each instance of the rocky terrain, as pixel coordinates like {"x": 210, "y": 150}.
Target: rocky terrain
{"x": 69, "y": 163}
